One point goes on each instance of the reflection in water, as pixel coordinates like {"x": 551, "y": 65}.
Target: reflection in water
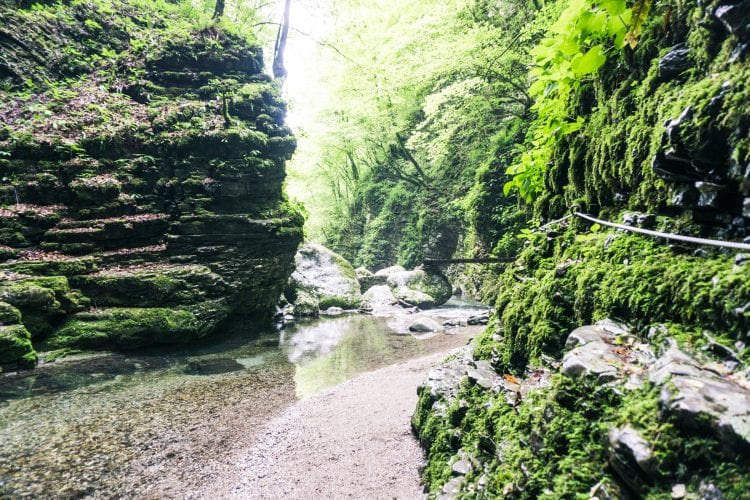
{"x": 349, "y": 346}
{"x": 308, "y": 342}
{"x": 93, "y": 423}
{"x": 330, "y": 351}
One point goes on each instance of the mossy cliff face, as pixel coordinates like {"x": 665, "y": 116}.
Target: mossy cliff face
{"x": 664, "y": 147}
{"x": 666, "y": 125}
{"x": 142, "y": 162}
{"x": 534, "y": 432}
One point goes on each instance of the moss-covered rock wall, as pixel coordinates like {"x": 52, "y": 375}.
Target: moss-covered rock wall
{"x": 141, "y": 164}
{"x": 539, "y": 408}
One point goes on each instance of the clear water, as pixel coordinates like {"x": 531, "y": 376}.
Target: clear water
{"x": 101, "y": 425}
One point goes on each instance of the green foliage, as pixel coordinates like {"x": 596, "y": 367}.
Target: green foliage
{"x": 440, "y": 113}
{"x": 576, "y": 47}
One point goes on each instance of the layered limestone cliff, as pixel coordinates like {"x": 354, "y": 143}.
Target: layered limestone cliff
{"x": 141, "y": 165}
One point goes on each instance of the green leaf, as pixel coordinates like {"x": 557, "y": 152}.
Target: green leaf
{"x": 613, "y": 7}
{"x": 569, "y": 46}
{"x": 593, "y": 23}
{"x": 595, "y": 228}
{"x": 640, "y": 10}
{"x": 590, "y": 62}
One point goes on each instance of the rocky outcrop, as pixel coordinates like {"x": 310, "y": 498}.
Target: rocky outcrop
{"x": 306, "y": 305}
{"x": 702, "y": 400}
{"x": 326, "y": 276}
{"x": 368, "y": 280}
{"x": 419, "y": 287}
{"x": 160, "y": 215}
{"x": 379, "y": 299}
{"x": 604, "y": 366}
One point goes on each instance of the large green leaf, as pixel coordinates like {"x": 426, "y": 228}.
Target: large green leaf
{"x": 613, "y": 7}
{"x": 589, "y": 62}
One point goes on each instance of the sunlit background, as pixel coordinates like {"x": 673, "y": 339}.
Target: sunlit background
{"x": 306, "y": 58}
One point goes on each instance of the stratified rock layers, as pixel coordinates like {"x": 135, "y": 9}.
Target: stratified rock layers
{"x": 166, "y": 222}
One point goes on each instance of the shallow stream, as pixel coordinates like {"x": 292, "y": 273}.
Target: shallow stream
{"x": 113, "y": 423}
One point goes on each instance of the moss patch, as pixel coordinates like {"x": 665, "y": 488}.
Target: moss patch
{"x": 15, "y": 347}
{"x": 129, "y": 328}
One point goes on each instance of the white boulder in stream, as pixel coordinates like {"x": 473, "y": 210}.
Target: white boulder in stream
{"x": 387, "y": 271}
{"x": 379, "y": 298}
{"x": 327, "y": 276}
{"x": 367, "y": 279}
{"x": 420, "y": 288}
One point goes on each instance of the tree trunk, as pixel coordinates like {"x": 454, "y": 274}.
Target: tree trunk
{"x": 218, "y": 9}
{"x": 279, "y": 71}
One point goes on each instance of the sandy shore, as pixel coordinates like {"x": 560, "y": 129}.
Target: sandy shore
{"x": 350, "y": 441}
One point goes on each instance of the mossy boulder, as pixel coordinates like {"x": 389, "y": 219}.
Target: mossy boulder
{"x": 9, "y": 315}
{"x": 421, "y": 288}
{"x": 43, "y": 301}
{"x": 15, "y": 347}
{"x": 129, "y": 328}
{"x": 306, "y": 305}
{"x": 367, "y": 279}
{"x": 327, "y": 276}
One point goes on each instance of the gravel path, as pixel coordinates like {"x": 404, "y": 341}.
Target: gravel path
{"x": 351, "y": 441}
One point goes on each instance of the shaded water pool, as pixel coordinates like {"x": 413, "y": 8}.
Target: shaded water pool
{"x": 112, "y": 423}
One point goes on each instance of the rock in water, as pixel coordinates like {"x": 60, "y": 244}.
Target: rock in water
{"x": 212, "y": 366}
{"x": 367, "y": 279}
{"x": 420, "y": 288}
{"x": 424, "y": 324}
{"x": 479, "y": 319}
{"x": 306, "y": 305}
{"x": 379, "y": 298}
{"x": 327, "y": 276}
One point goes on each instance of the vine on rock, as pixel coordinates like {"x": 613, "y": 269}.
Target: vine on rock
{"x": 575, "y": 47}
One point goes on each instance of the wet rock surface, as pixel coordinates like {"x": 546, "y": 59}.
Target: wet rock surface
{"x": 420, "y": 287}
{"x": 425, "y": 324}
{"x": 326, "y": 276}
{"x": 675, "y": 62}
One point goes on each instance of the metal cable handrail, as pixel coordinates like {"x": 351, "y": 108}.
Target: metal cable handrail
{"x": 668, "y": 236}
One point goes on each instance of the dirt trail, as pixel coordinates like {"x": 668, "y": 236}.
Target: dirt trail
{"x": 351, "y": 441}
